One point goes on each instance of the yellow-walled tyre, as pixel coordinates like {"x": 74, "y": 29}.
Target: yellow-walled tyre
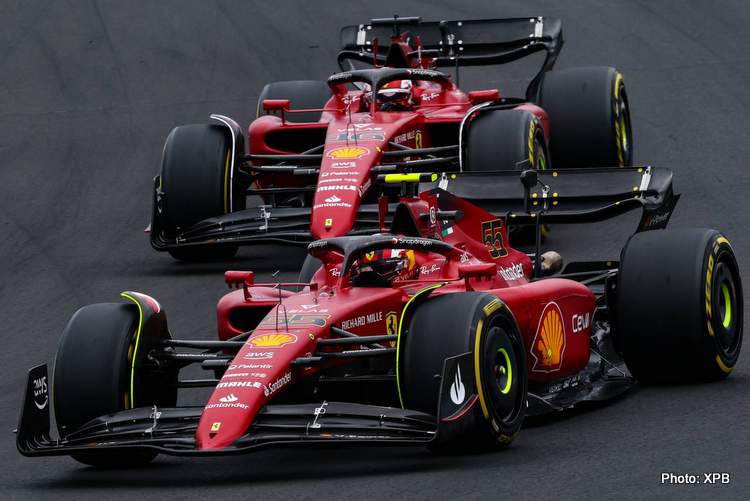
{"x": 679, "y": 306}
{"x": 451, "y": 325}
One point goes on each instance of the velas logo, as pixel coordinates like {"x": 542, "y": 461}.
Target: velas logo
{"x": 548, "y": 346}
{"x": 273, "y": 340}
{"x": 458, "y": 391}
{"x": 347, "y": 152}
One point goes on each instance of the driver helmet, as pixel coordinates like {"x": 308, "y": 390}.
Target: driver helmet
{"x": 381, "y": 267}
{"x": 395, "y": 96}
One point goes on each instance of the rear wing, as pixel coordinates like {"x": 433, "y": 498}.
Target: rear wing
{"x": 574, "y": 195}
{"x": 471, "y": 42}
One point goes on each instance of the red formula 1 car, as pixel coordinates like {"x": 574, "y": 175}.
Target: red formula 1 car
{"x": 434, "y": 332}
{"x": 310, "y": 164}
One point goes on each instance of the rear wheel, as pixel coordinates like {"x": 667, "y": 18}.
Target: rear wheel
{"x": 196, "y": 184}
{"x": 454, "y": 324}
{"x": 679, "y": 311}
{"x": 100, "y": 348}
{"x": 589, "y": 117}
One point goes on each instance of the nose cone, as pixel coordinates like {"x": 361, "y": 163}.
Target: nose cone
{"x": 261, "y": 369}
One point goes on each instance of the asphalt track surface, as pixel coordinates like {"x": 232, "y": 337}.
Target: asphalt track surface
{"x": 88, "y": 92}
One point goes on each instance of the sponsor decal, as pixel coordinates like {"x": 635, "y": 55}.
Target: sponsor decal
{"x": 228, "y": 402}
{"x": 317, "y": 412}
{"x": 361, "y": 320}
{"x": 333, "y": 199}
{"x": 346, "y": 152}
{"x": 514, "y": 272}
{"x": 340, "y": 173}
{"x": 329, "y": 204}
{"x": 581, "y": 322}
{"x": 458, "y": 391}
{"x": 465, "y": 258}
{"x": 249, "y": 366}
{"x": 335, "y": 271}
{"x": 329, "y": 221}
{"x": 363, "y": 189}
{"x": 215, "y": 427}
{"x": 492, "y": 236}
{"x": 277, "y": 385}
{"x": 406, "y": 136}
{"x": 343, "y": 165}
{"x": 433, "y": 215}
{"x": 318, "y": 319}
{"x": 254, "y": 355}
{"x": 391, "y": 326}
{"x": 426, "y": 270}
{"x": 447, "y": 230}
{"x": 429, "y": 96}
{"x": 548, "y": 346}
{"x": 40, "y": 393}
{"x": 424, "y": 73}
{"x": 338, "y": 187}
{"x": 412, "y": 241}
{"x": 239, "y": 384}
{"x": 360, "y": 127}
{"x": 260, "y": 375}
{"x": 273, "y": 340}
{"x": 361, "y": 136}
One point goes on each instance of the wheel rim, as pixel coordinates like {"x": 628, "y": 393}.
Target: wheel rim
{"x": 503, "y": 371}
{"x": 501, "y": 380}
{"x": 726, "y": 322}
{"x": 623, "y": 135}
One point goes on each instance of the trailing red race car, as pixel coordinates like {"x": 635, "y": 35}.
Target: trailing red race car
{"x": 311, "y": 163}
{"x": 432, "y": 332}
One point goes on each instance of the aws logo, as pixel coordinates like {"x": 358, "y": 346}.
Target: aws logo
{"x": 548, "y": 346}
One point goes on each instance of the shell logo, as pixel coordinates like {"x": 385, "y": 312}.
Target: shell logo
{"x": 548, "y": 346}
{"x": 273, "y": 340}
{"x": 346, "y": 152}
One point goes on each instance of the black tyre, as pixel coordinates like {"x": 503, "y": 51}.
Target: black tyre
{"x": 589, "y": 117}
{"x": 302, "y": 94}
{"x": 196, "y": 185}
{"x": 679, "y": 309}
{"x": 447, "y": 326}
{"x": 92, "y": 375}
{"x": 505, "y": 140}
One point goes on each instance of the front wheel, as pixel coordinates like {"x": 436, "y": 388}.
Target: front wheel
{"x": 451, "y": 325}
{"x": 679, "y": 308}
{"x": 102, "y": 368}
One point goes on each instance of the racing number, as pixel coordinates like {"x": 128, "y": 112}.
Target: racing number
{"x": 492, "y": 235}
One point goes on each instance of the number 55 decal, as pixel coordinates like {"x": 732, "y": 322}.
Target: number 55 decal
{"x": 492, "y": 236}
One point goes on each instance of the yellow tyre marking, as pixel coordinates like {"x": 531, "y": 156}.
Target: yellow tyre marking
{"x": 619, "y": 123}
{"x": 506, "y": 389}
{"x": 492, "y": 306}
{"x": 227, "y": 209}
{"x": 398, "y": 337}
{"x": 477, "y": 372}
{"x": 723, "y": 366}
{"x": 532, "y": 125}
{"x": 135, "y": 350}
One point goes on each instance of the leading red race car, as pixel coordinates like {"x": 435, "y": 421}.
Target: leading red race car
{"x": 432, "y": 332}
{"x": 309, "y": 165}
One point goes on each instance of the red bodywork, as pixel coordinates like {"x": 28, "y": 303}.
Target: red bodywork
{"x": 553, "y": 315}
{"x": 356, "y": 134}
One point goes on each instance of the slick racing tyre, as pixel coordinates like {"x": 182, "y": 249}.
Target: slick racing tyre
{"x": 589, "y": 117}
{"x": 302, "y": 94}
{"x": 505, "y": 140}
{"x": 196, "y": 185}
{"x": 492, "y": 392}
{"x": 679, "y": 307}
{"x": 101, "y": 369}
